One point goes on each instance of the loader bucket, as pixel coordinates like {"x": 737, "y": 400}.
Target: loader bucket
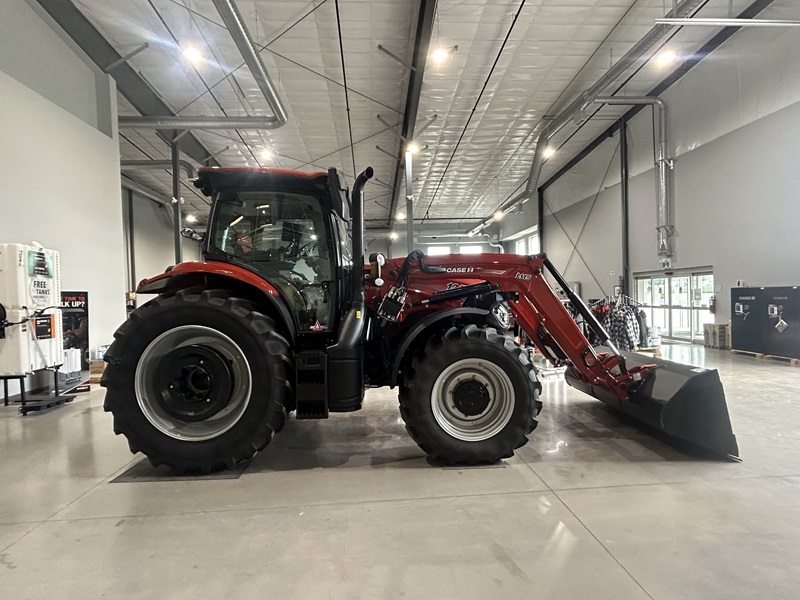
{"x": 683, "y": 401}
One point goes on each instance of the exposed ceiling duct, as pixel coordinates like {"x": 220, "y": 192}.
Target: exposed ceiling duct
{"x": 574, "y": 112}
{"x": 198, "y": 122}
{"x": 244, "y": 42}
{"x": 663, "y": 164}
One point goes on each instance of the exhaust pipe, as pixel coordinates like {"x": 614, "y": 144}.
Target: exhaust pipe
{"x": 357, "y": 211}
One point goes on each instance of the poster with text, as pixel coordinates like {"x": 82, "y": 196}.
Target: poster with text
{"x": 75, "y": 321}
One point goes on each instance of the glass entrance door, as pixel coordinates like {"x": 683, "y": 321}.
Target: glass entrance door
{"x": 677, "y": 304}
{"x": 680, "y": 308}
{"x": 702, "y": 291}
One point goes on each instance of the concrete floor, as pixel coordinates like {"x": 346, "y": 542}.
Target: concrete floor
{"x": 350, "y": 508}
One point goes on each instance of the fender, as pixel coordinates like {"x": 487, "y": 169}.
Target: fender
{"x": 424, "y": 324}
{"x": 190, "y": 274}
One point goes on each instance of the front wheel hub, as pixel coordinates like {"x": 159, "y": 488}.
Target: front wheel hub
{"x": 471, "y": 397}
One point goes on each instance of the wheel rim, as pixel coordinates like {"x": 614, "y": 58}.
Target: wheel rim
{"x": 193, "y": 383}
{"x": 472, "y": 399}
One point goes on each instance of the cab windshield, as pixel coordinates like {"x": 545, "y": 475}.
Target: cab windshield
{"x": 284, "y": 237}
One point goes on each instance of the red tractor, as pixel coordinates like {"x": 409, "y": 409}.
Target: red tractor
{"x": 282, "y": 316}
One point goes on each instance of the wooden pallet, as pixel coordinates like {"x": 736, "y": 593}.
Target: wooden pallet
{"x": 654, "y": 352}
{"x": 748, "y": 353}
{"x": 792, "y": 361}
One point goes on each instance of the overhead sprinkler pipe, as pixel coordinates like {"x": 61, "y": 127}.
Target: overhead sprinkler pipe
{"x": 642, "y": 50}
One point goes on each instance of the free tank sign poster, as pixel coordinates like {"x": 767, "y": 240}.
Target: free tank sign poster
{"x": 41, "y": 273}
{"x": 75, "y": 321}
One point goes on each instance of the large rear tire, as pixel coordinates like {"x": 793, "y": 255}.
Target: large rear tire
{"x": 197, "y": 381}
{"x": 470, "y": 396}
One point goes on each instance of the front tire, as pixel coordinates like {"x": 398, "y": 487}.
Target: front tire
{"x": 197, "y": 381}
{"x": 470, "y": 396}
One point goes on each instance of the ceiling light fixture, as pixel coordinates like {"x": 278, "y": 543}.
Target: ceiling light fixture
{"x": 549, "y": 151}
{"x": 191, "y": 219}
{"x": 193, "y": 54}
{"x": 440, "y": 54}
{"x": 401, "y": 216}
{"x": 498, "y": 216}
{"x": 266, "y": 154}
{"x": 666, "y": 57}
{"x": 393, "y": 236}
{"x": 412, "y": 147}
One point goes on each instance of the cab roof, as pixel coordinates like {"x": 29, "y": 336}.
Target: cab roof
{"x": 211, "y": 179}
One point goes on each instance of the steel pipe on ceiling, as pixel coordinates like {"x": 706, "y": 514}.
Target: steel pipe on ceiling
{"x": 174, "y": 122}
{"x": 147, "y": 165}
{"x": 728, "y": 22}
{"x": 574, "y": 112}
{"x": 146, "y": 192}
{"x": 229, "y": 12}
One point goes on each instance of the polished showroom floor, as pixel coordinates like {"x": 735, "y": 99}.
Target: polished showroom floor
{"x": 349, "y": 508}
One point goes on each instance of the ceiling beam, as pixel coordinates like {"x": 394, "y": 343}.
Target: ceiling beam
{"x": 129, "y": 83}
{"x": 422, "y": 42}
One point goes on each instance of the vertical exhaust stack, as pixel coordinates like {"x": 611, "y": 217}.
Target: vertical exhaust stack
{"x": 357, "y": 211}
{"x": 345, "y": 358}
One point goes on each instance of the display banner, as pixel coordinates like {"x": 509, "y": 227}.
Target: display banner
{"x": 75, "y": 321}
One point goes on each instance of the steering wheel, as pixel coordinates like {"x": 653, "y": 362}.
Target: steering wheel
{"x": 309, "y": 250}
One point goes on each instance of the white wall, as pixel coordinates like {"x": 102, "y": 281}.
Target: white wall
{"x": 734, "y": 120}
{"x": 60, "y": 173}
{"x": 48, "y": 63}
{"x": 736, "y": 208}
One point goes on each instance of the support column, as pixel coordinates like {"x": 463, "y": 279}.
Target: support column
{"x": 131, "y": 245}
{"x": 409, "y": 204}
{"x": 623, "y": 186}
{"x": 176, "y": 200}
{"x": 540, "y": 218}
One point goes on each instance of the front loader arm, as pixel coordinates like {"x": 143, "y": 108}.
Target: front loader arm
{"x": 543, "y": 317}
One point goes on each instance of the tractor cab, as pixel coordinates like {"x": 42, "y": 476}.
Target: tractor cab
{"x": 291, "y": 229}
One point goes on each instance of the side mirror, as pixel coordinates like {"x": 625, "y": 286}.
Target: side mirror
{"x": 191, "y": 234}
